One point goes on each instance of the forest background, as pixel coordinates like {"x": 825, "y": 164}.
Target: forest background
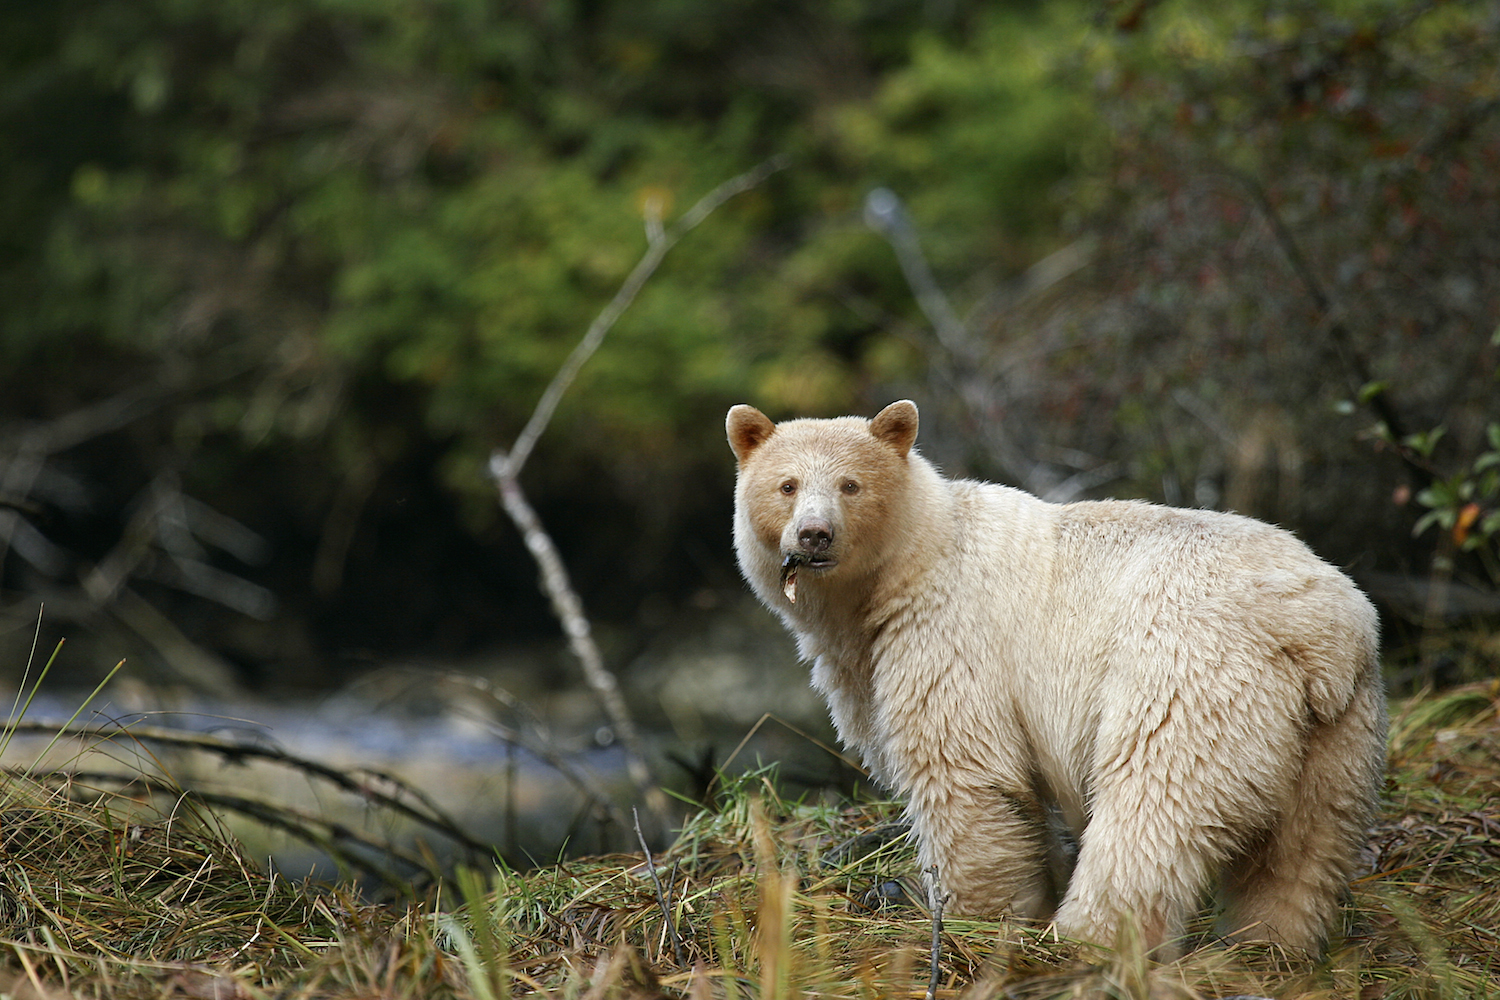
{"x": 276, "y": 277}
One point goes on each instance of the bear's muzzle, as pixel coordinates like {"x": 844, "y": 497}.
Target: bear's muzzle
{"x": 814, "y": 536}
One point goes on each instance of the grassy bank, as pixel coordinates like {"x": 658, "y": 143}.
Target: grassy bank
{"x": 128, "y": 895}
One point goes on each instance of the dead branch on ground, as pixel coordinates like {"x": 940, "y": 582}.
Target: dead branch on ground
{"x": 350, "y": 850}
{"x": 661, "y": 899}
{"x": 362, "y": 782}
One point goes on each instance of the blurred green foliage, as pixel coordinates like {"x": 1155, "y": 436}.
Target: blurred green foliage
{"x": 439, "y": 196}
{"x": 351, "y": 240}
{"x": 355, "y": 238}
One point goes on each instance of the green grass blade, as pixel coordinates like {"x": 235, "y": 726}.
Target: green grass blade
{"x": 79, "y": 711}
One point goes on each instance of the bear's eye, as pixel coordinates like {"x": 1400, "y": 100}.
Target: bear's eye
{"x": 789, "y": 487}
{"x": 851, "y": 487}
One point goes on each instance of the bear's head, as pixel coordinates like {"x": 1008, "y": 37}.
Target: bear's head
{"x": 817, "y": 497}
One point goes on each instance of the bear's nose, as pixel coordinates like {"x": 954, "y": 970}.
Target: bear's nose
{"x": 815, "y": 536}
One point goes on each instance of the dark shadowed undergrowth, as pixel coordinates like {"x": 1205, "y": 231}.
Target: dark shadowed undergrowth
{"x": 106, "y": 894}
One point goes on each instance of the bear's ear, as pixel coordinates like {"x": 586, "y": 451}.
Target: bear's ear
{"x": 896, "y": 425}
{"x": 748, "y": 429}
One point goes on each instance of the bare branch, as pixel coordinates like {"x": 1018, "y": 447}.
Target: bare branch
{"x": 660, "y": 241}
{"x": 505, "y": 468}
{"x": 966, "y": 364}
{"x": 935, "y": 903}
{"x": 595, "y": 794}
{"x": 358, "y": 783}
{"x": 1334, "y": 321}
{"x": 569, "y": 610}
{"x": 88, "y": 422}
{"x": 885, "y": 214}
{"x": 335, "y": 839}
{"x": 160, "y": 540}
{"x": 661, "y": 899}
{"x": 185, "y": 659}
{"x": 30, "y": 544}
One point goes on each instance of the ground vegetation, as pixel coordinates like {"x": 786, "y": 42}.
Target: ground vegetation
{"x": 126, "y": 893}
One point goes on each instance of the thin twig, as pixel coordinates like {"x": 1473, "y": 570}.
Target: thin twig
{"x": 27, "y": 448}
{"x": 337, "y": 840}
{"x": 936, "y": 903}
{"x": 514, "y": 738}
{"x": 661, "y": 899}
{"x": 595, "y": 793}
{"x": 963, "y": 363}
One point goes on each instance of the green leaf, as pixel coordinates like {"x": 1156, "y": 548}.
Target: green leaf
{"x": 1426, "y": 521}
{"x": 1439, "y": 495}
{"x": 1423, "y": 442}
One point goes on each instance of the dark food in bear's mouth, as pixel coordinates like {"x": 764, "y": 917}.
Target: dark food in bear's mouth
{"x": 789, "y": 574}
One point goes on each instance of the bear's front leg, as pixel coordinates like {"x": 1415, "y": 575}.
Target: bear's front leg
{"x": 989, "y": 845}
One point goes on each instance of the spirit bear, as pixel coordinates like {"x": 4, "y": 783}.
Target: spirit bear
{"x": 1195, "y": 693}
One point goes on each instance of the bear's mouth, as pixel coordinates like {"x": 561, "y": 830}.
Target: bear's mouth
{"x": 792, "y": 562}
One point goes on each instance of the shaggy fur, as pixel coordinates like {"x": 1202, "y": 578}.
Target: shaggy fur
{"x": 1195, "y": 693}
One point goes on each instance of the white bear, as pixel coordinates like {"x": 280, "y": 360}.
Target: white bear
{"x": 1196, "y": 693}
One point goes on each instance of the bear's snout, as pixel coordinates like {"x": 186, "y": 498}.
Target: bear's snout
{"x": 815, "y": 536}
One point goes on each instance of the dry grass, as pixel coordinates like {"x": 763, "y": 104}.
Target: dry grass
{"x": 102, "y": 895}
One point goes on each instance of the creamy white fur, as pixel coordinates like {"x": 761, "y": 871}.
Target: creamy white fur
{"x": 1196, "y": 692}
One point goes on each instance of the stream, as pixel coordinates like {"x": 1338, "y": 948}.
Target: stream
{"x": 509, "y": 757}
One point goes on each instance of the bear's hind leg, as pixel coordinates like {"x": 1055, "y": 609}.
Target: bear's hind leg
{"x": 1135, "y": 866}
{"x": 1286, "y": 888}
{"x": 1182, "y": 773}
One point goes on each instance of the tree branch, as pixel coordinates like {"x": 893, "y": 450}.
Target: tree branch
{"x": 505, "y": 468}
{"x": 965, "y": 363}
{"x": 661, "y": 899}
{"x": 569, "y": 611}
{"x": 356, "y": 783}
{"x": 659, "y": 241}
{"x": 1338, "y": 330}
